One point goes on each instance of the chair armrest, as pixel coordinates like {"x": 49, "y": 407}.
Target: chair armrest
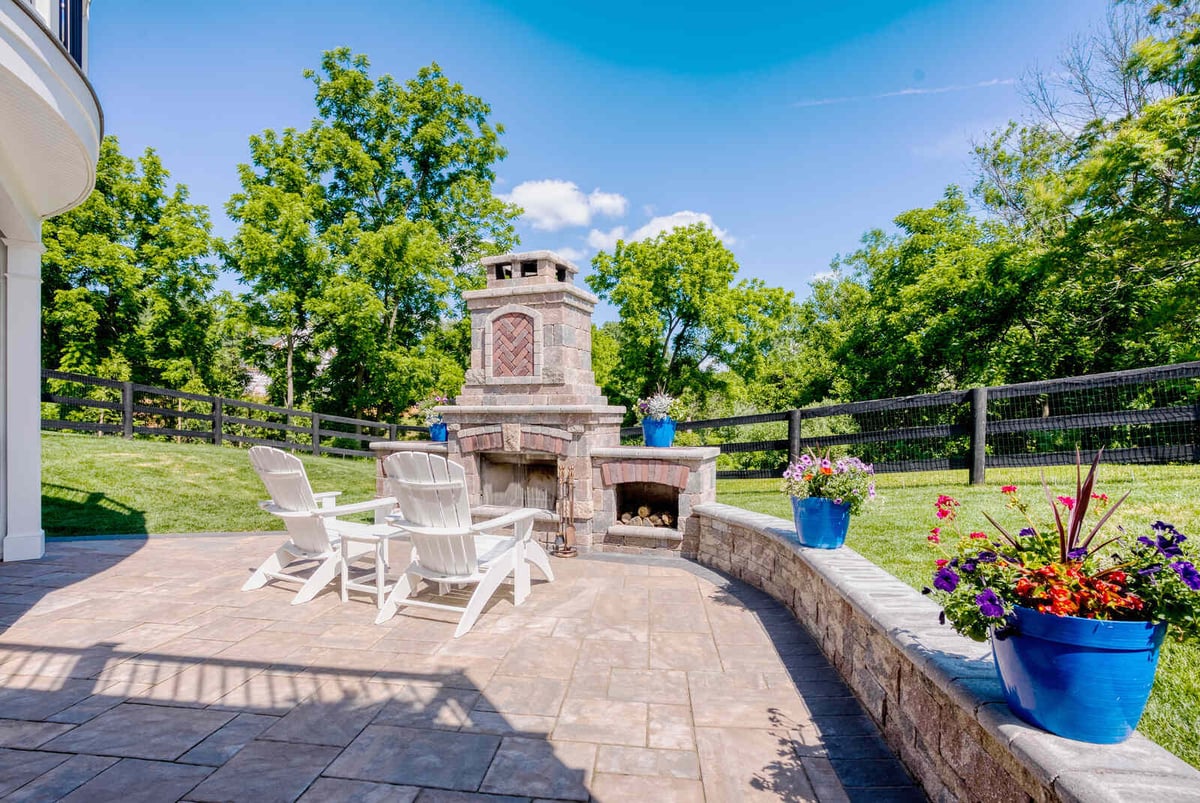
{"x": 327, "y": 498}
{"x": 409, "y": 527}
{"x": 357, "y": 507}
{"x": 508, "y": 519}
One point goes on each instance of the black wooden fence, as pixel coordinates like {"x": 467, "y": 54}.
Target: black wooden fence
{"x": 89, "y": 404}
{"x": 1149, "y": 415}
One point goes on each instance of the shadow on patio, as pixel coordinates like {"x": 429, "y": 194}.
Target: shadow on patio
{"x": 622, "y": 680}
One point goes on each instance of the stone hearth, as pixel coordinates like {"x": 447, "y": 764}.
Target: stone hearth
{"x": 530, "y": 415}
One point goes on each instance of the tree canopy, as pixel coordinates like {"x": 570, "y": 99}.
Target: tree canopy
{"x": 683, "y": 316}
{"x": 127, "y": 283}
{"x": 357, "y": 235}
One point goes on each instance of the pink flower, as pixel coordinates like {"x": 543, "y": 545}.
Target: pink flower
{"x": 935, "y": 535}
{"x": 942, "y": 512}
{"x": 978, "y": 535}
{"x": 1067, "y": 502}
{"x": 1008, "y": 489}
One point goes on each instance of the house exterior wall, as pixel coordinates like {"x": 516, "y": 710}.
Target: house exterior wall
{"x": 50, "y": 130}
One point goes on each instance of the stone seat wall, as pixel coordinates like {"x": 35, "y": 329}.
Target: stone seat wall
{"x": 933, "y": 693}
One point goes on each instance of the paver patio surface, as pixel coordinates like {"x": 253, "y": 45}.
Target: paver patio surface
{"x": 135, "y": 669}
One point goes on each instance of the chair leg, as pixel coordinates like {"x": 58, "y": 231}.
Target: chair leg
{"x": 537, "y": 556}
{"x": 273, "y": 564}
{"x": 322, "y": 576}
{"x": 520, "y": 574}
{"x": 483, "y": 592}
{"x": 401, "y": 591}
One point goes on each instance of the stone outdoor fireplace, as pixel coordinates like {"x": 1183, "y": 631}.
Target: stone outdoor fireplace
{"x": 532, "y": 429}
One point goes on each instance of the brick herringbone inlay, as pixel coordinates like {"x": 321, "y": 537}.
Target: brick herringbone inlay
{"x": 512, "y": 345}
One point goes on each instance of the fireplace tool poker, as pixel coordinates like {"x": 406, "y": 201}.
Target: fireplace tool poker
{"x": 564, "y": 544}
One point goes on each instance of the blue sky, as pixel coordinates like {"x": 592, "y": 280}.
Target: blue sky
{"x": 792, "y": 127}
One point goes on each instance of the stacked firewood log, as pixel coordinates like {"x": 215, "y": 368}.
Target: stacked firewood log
{"x": 647, "y": 518}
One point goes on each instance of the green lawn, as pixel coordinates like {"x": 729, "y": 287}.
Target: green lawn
{"x": 893, "y": 536}
{"x": 93, "y": 486}
{"x": 100, "y": 486}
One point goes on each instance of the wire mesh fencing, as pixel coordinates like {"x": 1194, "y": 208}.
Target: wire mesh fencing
{"x": 1147, "y": 415}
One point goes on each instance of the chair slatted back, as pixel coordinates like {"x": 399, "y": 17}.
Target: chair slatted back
{"x": 432, "y": 492}
{"x": 287, "y": 483}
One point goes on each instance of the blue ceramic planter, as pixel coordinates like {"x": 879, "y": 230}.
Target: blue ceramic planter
{"x": 821, "y": 522}
{"x": 1084, "y": 679}
{"x": 437, "y": 432}
{"x": 658, "y": 433}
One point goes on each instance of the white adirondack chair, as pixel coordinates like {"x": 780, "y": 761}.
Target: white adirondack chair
{"x": 315, "y": 534}
{"x": 450, "y": 550}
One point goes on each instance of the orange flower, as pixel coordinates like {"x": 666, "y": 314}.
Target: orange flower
{"x": 826, "y": 470}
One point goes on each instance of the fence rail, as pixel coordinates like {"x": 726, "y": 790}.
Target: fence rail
{"x": 1148, "y": 415}
{"x": 79, "y": 403}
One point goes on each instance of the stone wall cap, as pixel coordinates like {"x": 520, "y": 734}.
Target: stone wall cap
{"x": 672, "y": 454}
{"x": 433, "y": 447}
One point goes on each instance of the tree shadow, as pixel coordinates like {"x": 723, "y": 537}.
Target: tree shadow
{"x": 42, "y": 587}
{"x": 74, "y": 511}
{"x": 106, "y": 710}
{"x": 219, "y": 728}
{"x": 839, "y": 744}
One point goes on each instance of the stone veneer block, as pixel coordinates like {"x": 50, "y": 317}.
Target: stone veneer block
{"x": 933, "y": 693}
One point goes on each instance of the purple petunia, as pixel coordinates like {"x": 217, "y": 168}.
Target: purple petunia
{"x": 989, "y": 604}
{"x": 946, "y": 579}
{"x": 1026, "y": 532}
{"x": 986, "y": 556}
{"x": 1079, "y": 553}
{"x": 1167, "y": 541}
{"x": 1187, "y": 573}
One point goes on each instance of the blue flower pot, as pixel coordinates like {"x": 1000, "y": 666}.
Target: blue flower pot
{"x": 821, "y": 522}
{"x": 658, "y": 433}
{"x": 1083, "y": 679}
{"x": 437, "y": 432}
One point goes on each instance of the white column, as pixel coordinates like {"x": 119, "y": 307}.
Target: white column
{"x": 20, "y": 437}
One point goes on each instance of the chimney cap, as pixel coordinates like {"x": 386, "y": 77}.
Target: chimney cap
{"x": 529, "y": 256}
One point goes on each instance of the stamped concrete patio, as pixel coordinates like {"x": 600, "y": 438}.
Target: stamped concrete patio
{"x": 135, "y": 670}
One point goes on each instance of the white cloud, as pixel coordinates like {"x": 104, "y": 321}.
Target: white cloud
{"x": 609, "y": 204}
{"x": 931, "y": 90}
{"x": 570, "y": 254}
{"x": 605, "y": 240}
{"x": 553, "y": 204}
{"x": 674, "y": 221}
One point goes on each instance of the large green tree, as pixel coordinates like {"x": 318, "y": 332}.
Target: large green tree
{"x": 127, "y": 280}
{"x": 683, "y": 313}
{"x": 358, "y": 235}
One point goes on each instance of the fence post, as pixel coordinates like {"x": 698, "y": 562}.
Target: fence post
{"x": 793, "y": 435}
{"x": 218, "y": 418}
{"x": 978, "y": 435}
{"x": 127, "y": 409}
{"x": 316, "y": 433}
{"x": 391, "y": 432}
